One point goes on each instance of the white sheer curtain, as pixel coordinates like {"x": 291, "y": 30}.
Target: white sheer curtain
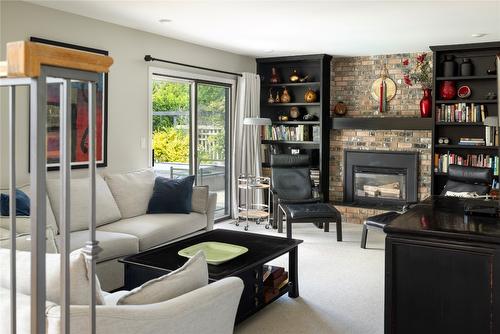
{"x": 245, "y": 148}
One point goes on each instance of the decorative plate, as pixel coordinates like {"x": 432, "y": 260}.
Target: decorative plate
{"x": 463, "y": 92}
{"x": 215, "y": 252}
{"x": 391, "y": 89}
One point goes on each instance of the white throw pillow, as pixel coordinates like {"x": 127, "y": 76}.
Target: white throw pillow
{"x": 106, "y": 209}
{"x": 79, "y": 276}
{"x": 199, "y": 201}
{"x": 191, "y": 276}
{"x": 132, "y": 191}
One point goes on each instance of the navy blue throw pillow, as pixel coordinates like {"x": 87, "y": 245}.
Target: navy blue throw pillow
{"x": 171, "y": 195}
{"x": 22, "y": 204}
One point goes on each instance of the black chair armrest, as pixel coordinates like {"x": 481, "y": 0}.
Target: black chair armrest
{"x": 299, "y": 201}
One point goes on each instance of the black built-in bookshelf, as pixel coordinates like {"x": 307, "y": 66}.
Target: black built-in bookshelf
{"x": 318, "y": 69}
{"x": 483, "y": 58}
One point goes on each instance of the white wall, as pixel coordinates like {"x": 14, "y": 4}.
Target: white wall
{"x": 128, "y": 79}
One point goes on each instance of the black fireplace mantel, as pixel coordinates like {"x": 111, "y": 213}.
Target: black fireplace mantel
{"x": 382, "y": 123}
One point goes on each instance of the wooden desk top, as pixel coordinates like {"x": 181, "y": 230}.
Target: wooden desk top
{"x": 443, "y": 217}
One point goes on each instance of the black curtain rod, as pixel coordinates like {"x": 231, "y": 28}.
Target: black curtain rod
{"x": 149, "y": 58}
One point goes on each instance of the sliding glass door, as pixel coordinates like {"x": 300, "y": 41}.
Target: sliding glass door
{"x": 171, "y": 126}
{"x": 190, "y": 122}
{"x": 211, "y": 153}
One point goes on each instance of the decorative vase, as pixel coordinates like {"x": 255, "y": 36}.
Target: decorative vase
{"x": 447, "y": 90}
{"x": 277, "y": 99}
{"x": 310, "y": 96}
{"x": 275, "y": 78}
{"x": 294, "y": 77}
{"x": 294, "y": 113}
{"x": 466, "y": 68}
{"x": 340, "y": 109}
{"x": 449, "y": 66}
{"x": 270, "y": 99}
{"x": 426, "y": 104}
{"x": 285, "y": 97}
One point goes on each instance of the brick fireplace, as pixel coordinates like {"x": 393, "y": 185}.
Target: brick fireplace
{"x": 351, "y": 81}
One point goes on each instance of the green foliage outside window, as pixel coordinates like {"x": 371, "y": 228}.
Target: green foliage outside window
{"x": 170, "y": 144}
{"x": 170, "y": 140}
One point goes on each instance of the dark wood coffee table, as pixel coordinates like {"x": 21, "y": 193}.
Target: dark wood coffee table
{"x": 156, "y": 262}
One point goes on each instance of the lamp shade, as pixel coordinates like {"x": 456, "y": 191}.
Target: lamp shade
{"x": 257, "y": 121}
{"x": 491, "y": 121}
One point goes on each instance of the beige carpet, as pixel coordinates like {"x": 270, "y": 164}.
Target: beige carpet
{"x": 341, "y": 285}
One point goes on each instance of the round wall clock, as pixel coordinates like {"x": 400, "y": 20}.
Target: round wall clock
{"x": 391, "y": 89}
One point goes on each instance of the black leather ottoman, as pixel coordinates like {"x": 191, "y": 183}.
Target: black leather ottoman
{"x": 377, "y": 222}
{"x": 322, "y": 213}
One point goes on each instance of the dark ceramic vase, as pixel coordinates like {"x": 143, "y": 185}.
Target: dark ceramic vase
{"x": 449, "y": 66}
{"x": 466, "y": 68}
{"x": 447, "y": 90}
{"x": 426, "y": 104}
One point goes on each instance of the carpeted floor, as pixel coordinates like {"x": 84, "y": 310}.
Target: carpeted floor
{"x": 341, "y": 285}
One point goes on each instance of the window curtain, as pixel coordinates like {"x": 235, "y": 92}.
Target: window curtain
{"x": 245, "y": 148}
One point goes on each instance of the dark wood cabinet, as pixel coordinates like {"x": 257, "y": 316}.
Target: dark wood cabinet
{"x": 441, "y": 287}
{"x": 317, "y": 68}
{"x": 442, "y": 275}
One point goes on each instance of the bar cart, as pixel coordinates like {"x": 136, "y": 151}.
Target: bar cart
{"x": 251, "y": 206}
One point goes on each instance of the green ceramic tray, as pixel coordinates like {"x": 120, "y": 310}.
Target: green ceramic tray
{"x": 215, "y": 252}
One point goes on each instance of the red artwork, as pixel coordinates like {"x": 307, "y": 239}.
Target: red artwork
{"x": 79, "y": 124}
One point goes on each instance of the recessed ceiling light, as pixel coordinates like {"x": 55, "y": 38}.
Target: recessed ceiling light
{"x": 268, "y": 50}
{"x": 164, "y": 20}
{"x": 478, "y": 34}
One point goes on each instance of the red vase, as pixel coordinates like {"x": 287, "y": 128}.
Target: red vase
{"x": 426, "y": 104}
{"x": 448, "y": 90}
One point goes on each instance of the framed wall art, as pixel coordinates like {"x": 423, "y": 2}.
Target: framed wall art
{"x": 79, "y": 117}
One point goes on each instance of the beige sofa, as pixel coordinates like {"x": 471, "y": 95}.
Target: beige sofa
{"x": 123, "y": 227}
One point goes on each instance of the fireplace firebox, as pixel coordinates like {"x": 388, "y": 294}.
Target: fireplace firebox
{"x": 380, "y": 178}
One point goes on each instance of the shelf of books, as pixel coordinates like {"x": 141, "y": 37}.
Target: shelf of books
{"x": 461, "y": 113}
{"x": 292, "y": 133}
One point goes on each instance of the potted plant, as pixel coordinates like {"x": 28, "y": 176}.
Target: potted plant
{"x": 420, "y": 72}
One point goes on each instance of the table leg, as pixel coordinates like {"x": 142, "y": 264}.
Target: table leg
{"x": 293, "y": 275}
{"x": 280, "y": 220}
{"x": 339, "y": 230}
{"x": 326, "y": 226}
{"x": 288, "y": 227}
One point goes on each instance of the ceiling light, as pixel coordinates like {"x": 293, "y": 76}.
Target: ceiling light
{"x": 164, "y": 20}
{"x": 478, "y": 34}
{"x": 268, "y": 50}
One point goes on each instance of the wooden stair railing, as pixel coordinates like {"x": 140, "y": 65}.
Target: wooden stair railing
{"x": 25, "y": 58}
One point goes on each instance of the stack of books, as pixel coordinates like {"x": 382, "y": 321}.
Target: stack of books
{"x": 274, "y": 278}
{"x": 442, "y": 161}
{"x": 472, "y": 142}
{"x": 461, "y": 112}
